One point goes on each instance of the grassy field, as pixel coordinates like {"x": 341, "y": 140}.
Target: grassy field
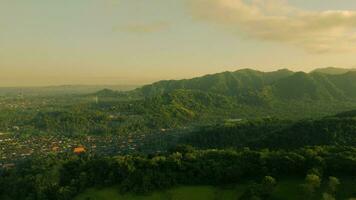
{"x": 288, "y": 189}
{"x": 178, "y": 193}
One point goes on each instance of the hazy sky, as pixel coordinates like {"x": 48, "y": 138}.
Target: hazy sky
{"x": 51, "y": 42}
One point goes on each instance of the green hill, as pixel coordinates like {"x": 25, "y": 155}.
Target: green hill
{"x": 276, "y": 134}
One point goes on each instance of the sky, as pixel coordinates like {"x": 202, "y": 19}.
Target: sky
{"x": 128, "y": 42}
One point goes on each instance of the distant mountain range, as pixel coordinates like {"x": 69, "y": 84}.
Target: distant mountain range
{"x": 247, "y": 94}
{"x": 62, "y": 90}
{"x": 250, "y": 86}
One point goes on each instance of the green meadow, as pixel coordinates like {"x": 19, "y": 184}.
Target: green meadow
{"x": 178, "y": 193}
{"x": 288, "y": 189}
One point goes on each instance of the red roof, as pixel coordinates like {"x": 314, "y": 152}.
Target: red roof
{"x": 79, "y": 150}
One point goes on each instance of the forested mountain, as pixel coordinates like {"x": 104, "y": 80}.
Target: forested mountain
{"x": 249, "y": 94}
{"x": 241, "y": 84}
{"x": 255, "y": 87}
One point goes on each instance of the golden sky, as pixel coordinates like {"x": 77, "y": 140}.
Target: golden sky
{"x": 45, "y": 42}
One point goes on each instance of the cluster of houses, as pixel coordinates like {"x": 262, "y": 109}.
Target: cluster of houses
{"x": 14, "y": 104}
{"x": 14, "y": 148}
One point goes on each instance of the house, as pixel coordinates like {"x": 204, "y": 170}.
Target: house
{"x": 79, "y": 150}
{"x": 55, "y": 148}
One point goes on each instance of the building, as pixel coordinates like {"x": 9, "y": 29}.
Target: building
{"x": 79, "y": 150}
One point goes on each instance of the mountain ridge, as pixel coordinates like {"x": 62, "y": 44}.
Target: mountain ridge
{"x": 246, "y": 85}
{"x": 245, "y": 94}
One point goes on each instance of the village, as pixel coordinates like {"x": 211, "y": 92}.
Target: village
{"x": 15, "y": 148}
{"x": 21, "y": 139}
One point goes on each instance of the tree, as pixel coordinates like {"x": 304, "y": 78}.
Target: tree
{"x": 332, "y": 187}
{"x": 333, "y": 184}
{"x": 312, "y": 183}
{"x": 263, "y": 190}
{"x": 327, "y": 196}
{"x": 268, "y": 185}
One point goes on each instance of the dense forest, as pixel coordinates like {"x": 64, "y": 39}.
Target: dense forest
{"x": 276, "y": 134}
{"x": 61, "y": 177}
